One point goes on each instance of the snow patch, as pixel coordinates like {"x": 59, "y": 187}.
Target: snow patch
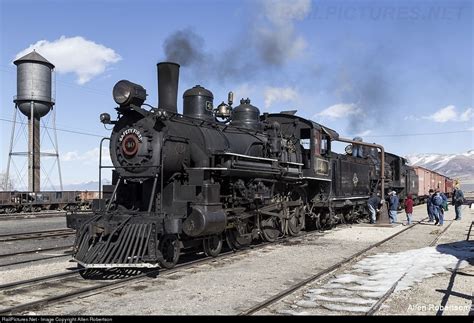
{"x": 370, "y": 278}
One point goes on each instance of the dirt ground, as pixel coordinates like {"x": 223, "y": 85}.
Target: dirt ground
{"x": 230, "y": 285}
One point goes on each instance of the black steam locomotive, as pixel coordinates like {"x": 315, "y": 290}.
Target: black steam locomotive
{"x": 209, "y": 175}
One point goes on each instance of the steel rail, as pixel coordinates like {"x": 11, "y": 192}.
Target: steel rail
{"x": 6, "y": 255}
{"x": 118, "y": 284}
{"x": 321, "y": 273}
{"x": 387, "y": 294}
{"x": 34, "y": 260}
{"x": 36, "y": 235}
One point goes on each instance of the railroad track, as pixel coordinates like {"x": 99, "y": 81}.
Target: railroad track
{"x": 70, "y": 285}
{"x": 22, "y": 215}
{"x": 42, "y": 214}
{"x": 36, "y": 235}
{"x": 373, "y": 305}
{"x": 38, "y": 251}
{"x": 35, "y": 293}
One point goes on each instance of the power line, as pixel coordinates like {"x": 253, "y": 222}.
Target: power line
{"x": 370, "y": 136}
{"x": 419, "y": 134}
{"x": 58, "y": 129}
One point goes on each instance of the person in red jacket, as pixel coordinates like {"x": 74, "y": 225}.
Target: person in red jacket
{"x": 409, "y": 208}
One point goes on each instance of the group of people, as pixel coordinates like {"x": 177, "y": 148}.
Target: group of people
{"x": 437, "y": 204}
{"x": 374, "y": 203}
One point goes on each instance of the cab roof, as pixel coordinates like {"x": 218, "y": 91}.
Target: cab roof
{"x": 291, "y": 117}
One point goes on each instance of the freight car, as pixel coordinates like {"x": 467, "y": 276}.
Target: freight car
{"x": 209, "y": 175}
{"x": 429, "y": 179}
{"x": 18, "y": 201}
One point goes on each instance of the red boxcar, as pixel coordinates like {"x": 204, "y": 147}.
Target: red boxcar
{"x": 428, "y": 179}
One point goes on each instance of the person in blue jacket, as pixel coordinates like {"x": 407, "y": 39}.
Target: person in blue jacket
{"x": 437, "y": 201}
{"x": 393, "y": 206}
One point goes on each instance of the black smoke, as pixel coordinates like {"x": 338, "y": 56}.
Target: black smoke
{"x": 184, "y": 47}
{"x": 262, "y": 46}
{"x": 365, "y": 78}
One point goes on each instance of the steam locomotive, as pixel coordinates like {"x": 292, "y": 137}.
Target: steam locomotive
{"x": 209, "y": 175}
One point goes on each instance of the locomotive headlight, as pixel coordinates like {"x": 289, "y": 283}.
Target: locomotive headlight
{"x": 105, "y": 118}
{"x": 126, "y": 93}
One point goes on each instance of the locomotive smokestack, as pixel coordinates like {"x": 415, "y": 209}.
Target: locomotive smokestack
{"x": 168, "y": 75}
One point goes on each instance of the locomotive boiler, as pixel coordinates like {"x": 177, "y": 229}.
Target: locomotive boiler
{"x": 213, "y": 174}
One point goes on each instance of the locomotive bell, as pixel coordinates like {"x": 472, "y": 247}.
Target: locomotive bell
{"x": 223, "y": 110}
{"x": 246, "y": 115}
{"x": 198, "y": 103}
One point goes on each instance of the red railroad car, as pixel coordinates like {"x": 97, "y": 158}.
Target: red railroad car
{"x": 428, "y": 179}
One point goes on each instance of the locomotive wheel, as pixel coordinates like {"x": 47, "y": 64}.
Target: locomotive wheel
{"x": 169, "y": 247}
{"x": 296, "y": 219}
{"x": 296, "y": 222}
{"x": 235, "y": 240}
{"x": 212, "y": 246}
{"x": 270, "y": 228}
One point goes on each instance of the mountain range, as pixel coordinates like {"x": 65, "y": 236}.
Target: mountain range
{"x": 459, "y": 166}
{"x": 86, "y": 186}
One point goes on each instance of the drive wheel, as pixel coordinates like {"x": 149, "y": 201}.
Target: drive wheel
{"x": 169, "y": 247}
{"x": 296, "y": 211}
{"x": 212, "y": 246}
{"x": 238, "y": 238}
{"x": 270, "y": 228}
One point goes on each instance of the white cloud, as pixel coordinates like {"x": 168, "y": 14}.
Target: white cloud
{"x": 88, "y": 157}
{"x": 243, "y": 90}
{"x": 410, "y": 118}
{"x": 279, "y": 94}
{"x": 282, "y": 11}
{"x": 450, "y": 113}
{"x": 339, "y": 110}
{"x": 466, "y": 115}
{"x": 70, "y": 156}
{"x": 277, "y": 41}
{"x": 83, "y": 57}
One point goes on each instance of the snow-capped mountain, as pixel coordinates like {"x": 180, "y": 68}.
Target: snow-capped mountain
{"x": 452, "y": 165}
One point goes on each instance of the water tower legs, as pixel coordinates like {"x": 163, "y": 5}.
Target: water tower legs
{"x": 33, "y": 152}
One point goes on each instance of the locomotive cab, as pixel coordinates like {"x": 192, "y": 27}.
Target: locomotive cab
{"x": 310, "y": 141}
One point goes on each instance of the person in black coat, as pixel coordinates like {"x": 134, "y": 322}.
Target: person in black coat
{"x": 373, "y": 204}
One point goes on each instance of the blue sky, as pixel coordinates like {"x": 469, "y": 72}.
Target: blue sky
{"x": 381, "y": 69}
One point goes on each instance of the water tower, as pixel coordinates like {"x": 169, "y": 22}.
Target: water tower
{"x": 34, "y": 100}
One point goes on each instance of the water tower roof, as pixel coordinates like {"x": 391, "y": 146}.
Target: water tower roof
{"x": 33, "y": 57}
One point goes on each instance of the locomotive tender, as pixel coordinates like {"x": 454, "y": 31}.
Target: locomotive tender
{"x": 193, "y": 180}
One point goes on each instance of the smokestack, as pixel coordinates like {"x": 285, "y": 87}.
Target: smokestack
{"x": 168, "y": 75}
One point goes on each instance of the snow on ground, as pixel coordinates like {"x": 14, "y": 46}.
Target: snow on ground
{"x": 370, "y": 278}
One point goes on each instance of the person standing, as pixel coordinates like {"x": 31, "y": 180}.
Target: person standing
{"x": 357, "y": 149}
{"x": 393, "y": 204}
{"x": 458, "y": 200}
{"x": 438, "y": 208}
{"x": 445, "y": 201}
{"x": 429, "y": 206}
{"x": 373, "y": 203}
{"x": 409, "y": 208}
